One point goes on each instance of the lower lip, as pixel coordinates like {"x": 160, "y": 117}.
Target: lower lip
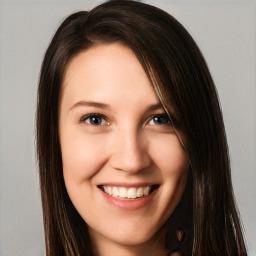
{"x": 132, "y": 204}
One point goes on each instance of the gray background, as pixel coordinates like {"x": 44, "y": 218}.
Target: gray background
{"x": 224, "y": 30}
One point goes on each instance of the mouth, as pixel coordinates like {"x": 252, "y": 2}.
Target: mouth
{"x": 128, "y": 193}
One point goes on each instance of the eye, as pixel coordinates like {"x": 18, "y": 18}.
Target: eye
{"x": 160, "y": 119}
{"x": 95, "y": 119}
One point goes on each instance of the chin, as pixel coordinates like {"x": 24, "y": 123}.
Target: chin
{"x": 133, "y": 237}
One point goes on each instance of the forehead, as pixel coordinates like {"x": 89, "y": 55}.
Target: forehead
{"x": 106, "y": 58}
{"x": 107, "y": 72}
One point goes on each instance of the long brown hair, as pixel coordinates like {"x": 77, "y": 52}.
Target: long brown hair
{"x": 180, "y": 77}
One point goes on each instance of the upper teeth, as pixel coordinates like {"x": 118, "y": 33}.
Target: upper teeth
{"x": 130, "y": 193}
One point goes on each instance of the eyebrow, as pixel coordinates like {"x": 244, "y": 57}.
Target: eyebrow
{"x": 90, "y": 104}
{"x": 106, "y": 106}
{"x": 154, "y": 107}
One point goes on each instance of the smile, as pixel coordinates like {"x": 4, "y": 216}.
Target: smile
{"x": 128, "y": 193}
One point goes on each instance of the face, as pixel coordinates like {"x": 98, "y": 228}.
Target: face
{"x": 123, "y": 166}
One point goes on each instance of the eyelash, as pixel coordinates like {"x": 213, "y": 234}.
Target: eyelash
{"x": 98, "y": 116}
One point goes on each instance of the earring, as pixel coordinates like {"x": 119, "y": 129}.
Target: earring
{"x": 180, "y": 235}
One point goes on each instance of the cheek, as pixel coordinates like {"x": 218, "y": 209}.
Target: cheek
{"x": 170, "y": 157}
{"x": 82, "y": 156}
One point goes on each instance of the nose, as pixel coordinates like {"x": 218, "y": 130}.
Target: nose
{"x": 129, "y": 152}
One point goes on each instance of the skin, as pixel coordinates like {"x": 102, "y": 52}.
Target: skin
{"x": 127, "y": 146}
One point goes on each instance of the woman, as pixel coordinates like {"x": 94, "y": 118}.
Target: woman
{"x": 131, "y": 143}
